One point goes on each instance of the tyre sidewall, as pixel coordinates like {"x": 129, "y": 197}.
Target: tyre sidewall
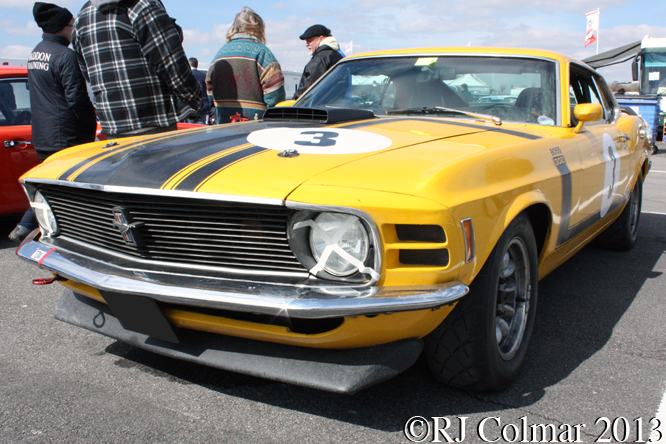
{"x": 496, "y": 371}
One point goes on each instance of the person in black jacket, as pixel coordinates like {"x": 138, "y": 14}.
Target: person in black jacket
{"x": 62, "y": 114}
{"x": 325, "y": 52}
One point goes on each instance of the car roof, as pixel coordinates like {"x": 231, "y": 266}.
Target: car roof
{"x": 7, "y": 70}
{"x": 469, "y": 50}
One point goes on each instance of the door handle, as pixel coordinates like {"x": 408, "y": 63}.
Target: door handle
{"x": 624, "y": 137}
{"x": 13, "y": 143}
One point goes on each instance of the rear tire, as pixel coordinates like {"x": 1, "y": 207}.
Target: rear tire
{"x": 482, "y": 344}
{"x": 621, "y": 235}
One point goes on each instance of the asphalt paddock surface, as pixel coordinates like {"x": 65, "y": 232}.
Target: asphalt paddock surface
{"x": 598, "y": 351}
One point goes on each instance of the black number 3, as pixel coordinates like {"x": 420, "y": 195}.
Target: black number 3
{"x": 320, "y": 138}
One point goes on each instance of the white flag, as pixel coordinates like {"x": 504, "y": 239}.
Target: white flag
{"x": 349, "y": 48}
{"x": 592, "y": 27}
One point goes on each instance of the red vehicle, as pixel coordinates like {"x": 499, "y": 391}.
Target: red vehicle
{"x": 17, "y": 153}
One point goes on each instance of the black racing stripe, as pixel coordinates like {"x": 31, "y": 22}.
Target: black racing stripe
{"x": 568, "y": 232}
{"x": 119, "y": 151}
{"x": 191, "y": 182}
{"x": 152, "y": 164}
{"x": 567, "y": 197}
{"x": 76, "y": 167}
{"x": 446, "y": 122}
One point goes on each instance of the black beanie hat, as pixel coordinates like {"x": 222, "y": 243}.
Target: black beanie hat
{"x": 314, "y": 31}
{"x": 51, "y": 18}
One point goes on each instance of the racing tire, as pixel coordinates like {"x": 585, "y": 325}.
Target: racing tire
{"x": 482, "y": 344}
{"x": 621, "y": 235}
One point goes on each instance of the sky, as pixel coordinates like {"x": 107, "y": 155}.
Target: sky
{"x": 386, "y": 24}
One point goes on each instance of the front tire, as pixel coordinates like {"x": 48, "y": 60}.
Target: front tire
{"x": 482, "y": 344}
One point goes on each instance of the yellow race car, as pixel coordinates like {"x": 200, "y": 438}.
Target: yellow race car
{"x": 407, "y": 203}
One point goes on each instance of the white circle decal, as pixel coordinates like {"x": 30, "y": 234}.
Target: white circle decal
{"x": 319, "y": 140}
{"x": 611, "y": 175}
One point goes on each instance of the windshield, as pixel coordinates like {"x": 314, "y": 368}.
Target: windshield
{"x": 654, "y": 73}
{"x": 513, "y": 89}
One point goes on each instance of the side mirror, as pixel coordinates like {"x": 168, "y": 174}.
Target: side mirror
{"x": 634, "y": 69}
{"x": 286, "y": 103}
{"x": 587, "y": 112}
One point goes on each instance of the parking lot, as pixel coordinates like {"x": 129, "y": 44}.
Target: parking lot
{"x": 598, "y": 351}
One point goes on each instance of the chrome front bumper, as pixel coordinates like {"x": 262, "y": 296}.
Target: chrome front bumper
{"x": 297, "y": 301}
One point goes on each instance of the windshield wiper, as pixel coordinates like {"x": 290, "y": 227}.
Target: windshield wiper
{"x": 442, "y": 110}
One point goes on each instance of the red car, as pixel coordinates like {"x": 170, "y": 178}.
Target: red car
{"x": 18, "y": 155}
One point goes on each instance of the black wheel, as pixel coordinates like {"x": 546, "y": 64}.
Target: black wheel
{"x": 621, "y": 235}
{"x": 482, "y": 344}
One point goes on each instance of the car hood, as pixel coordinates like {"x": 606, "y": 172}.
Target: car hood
{"x": 249, "y": 159}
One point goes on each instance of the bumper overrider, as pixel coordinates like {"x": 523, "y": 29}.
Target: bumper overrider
{"x": 132, "y": 315}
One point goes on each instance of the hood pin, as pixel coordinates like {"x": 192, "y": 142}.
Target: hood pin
{"x": 289, "y": 153}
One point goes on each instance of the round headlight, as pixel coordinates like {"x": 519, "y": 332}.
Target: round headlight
{"x": 340, "y": 241}
{"x": 45, "y": 217}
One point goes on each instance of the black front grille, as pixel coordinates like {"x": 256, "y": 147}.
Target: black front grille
{"x": 177, "y": 231}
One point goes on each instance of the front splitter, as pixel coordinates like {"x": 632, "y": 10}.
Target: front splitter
{"x": 341, "y": 371}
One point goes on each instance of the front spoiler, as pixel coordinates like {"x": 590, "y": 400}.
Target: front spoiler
{"x": 238, "y": 293}
{"x": 340, "y": 371}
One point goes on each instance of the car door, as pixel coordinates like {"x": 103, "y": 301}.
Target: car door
{"x": 18, "y": 155}
{"x": 603, "y": 149}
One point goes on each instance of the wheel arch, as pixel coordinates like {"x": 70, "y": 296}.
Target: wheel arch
{"x": 537, "y": 209}
{"x": 535, "y": 205}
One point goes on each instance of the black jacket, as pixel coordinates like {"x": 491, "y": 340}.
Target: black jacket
{"x": 323, "y": 58}
{"x": 62, "y": 115}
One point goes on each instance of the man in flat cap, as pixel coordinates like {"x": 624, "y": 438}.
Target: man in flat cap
{"x": 62, "y": 114}
{"x": 325, "y": 52}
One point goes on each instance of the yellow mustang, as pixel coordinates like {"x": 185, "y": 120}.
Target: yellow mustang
{"x": 408, "y": 202}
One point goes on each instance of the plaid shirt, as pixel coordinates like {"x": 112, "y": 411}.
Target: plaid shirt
{"x": 133, "y": 57}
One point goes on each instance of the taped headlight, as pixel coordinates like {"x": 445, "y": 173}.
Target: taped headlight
{"x": 339, "y": 243}
{"x": 45, "y": 217}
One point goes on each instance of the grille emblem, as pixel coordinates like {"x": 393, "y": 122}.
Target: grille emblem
{"x": 125, "y": 228}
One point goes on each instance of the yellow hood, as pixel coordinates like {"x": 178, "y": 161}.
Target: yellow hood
{"x": 224, "y": 160}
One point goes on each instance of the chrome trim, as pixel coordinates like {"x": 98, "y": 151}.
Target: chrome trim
{"x": 13, "y": 143}
{"x": 137, "y": 260}
{"x": 298, "y": 301}
{"x": 157, "y": 192}
{"x": 374, "y": 231}
{"x": 275, "y": 202}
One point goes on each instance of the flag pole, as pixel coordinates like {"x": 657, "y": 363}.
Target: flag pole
{"x": 598, "y": 29}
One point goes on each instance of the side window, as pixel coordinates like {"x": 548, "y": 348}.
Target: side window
{"x": 584, "y": 89}
{"x": 14, "y": 102}
{"x": 611, "y": 109}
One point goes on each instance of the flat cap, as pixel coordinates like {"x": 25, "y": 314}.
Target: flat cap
{"x": 314, "y": 31}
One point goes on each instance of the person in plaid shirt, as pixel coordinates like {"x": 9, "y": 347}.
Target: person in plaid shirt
{"x": 131, "y": 52}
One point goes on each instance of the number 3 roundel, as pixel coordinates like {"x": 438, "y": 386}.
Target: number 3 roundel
{"x": 319, "y": 140}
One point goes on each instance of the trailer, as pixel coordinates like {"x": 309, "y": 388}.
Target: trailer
{"x": 648, "y": 68}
